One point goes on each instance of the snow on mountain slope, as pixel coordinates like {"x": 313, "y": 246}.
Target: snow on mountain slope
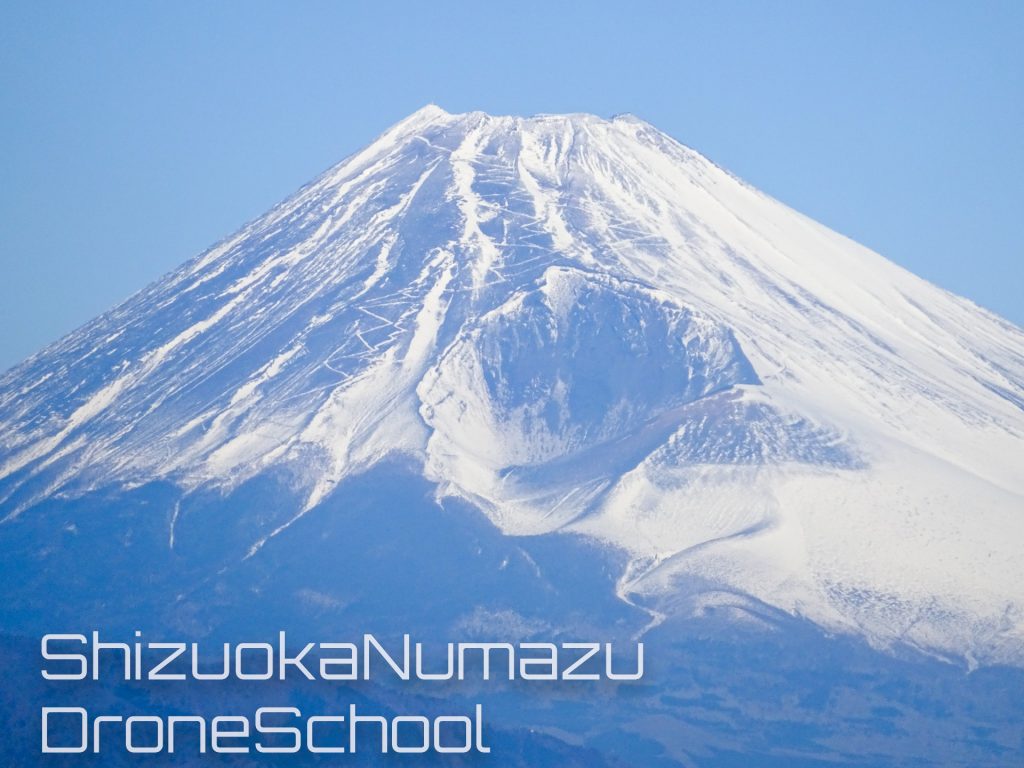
{"x": 579, "y": 325}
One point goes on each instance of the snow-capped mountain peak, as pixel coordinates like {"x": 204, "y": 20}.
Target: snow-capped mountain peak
{"x": 579, "y": 325}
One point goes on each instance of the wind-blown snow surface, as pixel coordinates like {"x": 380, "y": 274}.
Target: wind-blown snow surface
{"x": 576, "y": 324}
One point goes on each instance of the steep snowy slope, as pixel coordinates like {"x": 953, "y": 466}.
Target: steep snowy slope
{"x": 576, "y": 324}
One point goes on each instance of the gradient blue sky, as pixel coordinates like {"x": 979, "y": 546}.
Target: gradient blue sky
{"x": 136, "y": 134}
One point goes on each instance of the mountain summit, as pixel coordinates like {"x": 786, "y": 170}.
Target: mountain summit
{"x": 573, "y": 325}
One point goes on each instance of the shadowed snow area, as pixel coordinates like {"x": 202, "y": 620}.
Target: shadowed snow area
{"x": 577, "y": 325}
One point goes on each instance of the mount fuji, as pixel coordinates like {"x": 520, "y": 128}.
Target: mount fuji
{"x": 567, "y": 370}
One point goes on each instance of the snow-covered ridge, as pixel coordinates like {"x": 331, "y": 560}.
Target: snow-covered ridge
{"x": 579, "y": 324}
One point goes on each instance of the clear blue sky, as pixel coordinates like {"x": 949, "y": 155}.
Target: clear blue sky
{"x": 135, "y": 134}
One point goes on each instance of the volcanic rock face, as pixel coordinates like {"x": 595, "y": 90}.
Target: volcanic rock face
{"x": 574, "y": 325}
